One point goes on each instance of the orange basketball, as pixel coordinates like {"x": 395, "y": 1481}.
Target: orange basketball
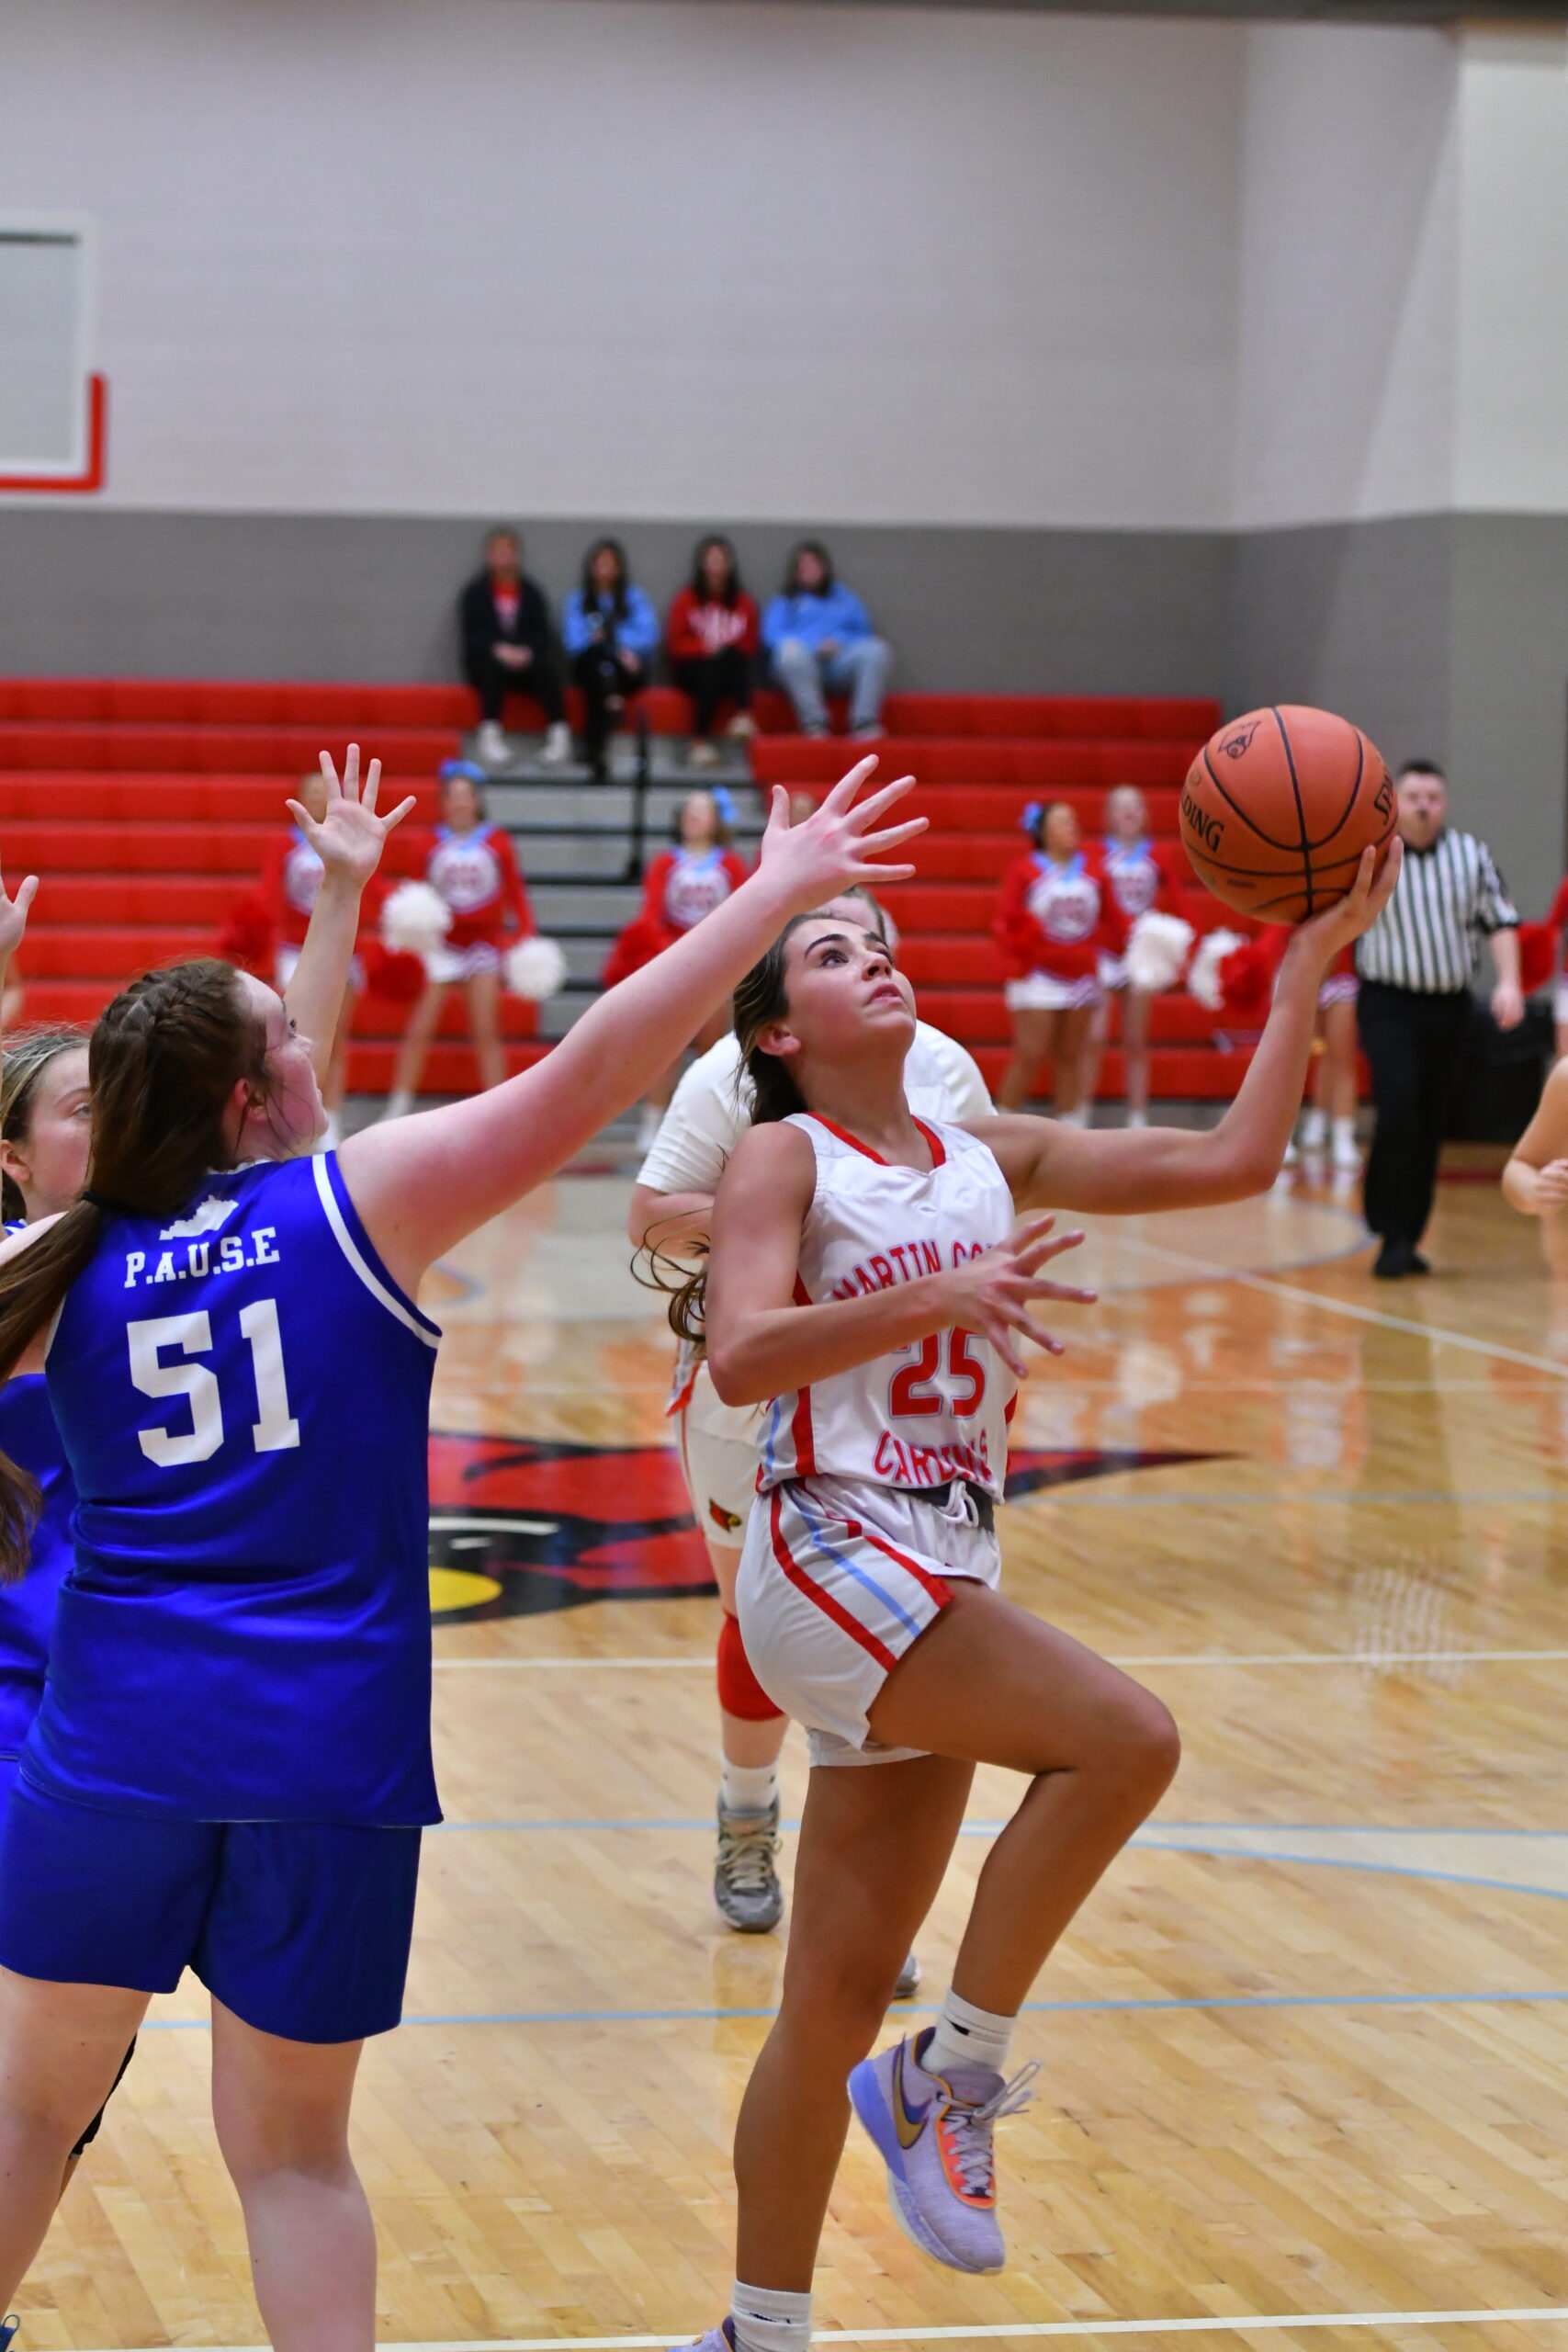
{"x": 1279, "y": 805}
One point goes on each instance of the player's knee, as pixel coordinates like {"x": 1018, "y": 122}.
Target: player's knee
{"x": 839, "y": 2003}
{"x": 1144, "y": 1751}
{"x": 739, "y": 1692}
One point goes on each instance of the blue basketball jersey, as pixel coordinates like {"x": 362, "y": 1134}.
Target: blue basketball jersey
{"x": 243, "y": 1397}
{"x": 28, "y": 1436}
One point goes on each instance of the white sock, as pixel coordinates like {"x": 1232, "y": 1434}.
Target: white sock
{"x": 1344, "y": 1131}
{"x": 1138, "y": 1118}
{"x": 965, "y": 2035}
{"x": 400, "y": 1102}
{"x": 1312, "y": 1124}
{"x": 766, "y": 2318}
{"x": 747, "y": 1788}
{"x": 1078, "y": 1118}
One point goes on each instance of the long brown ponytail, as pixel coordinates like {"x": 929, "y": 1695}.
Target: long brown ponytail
{"x": 162, "y": 1064}
{"x": 760, "y": 997}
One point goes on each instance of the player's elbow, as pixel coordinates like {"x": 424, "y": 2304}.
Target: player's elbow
{"x": 735, "y": 1382}
{"x": 642, "y": 1214}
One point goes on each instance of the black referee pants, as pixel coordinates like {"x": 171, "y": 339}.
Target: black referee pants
{"x": 1412, "y": 1043}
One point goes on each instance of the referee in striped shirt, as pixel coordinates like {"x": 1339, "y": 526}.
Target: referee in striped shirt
{"x": 1414, "y": 968}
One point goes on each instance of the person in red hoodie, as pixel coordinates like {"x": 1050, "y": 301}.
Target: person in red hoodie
{"x": 1055, "y": 917}
{"x": 712, "y": 633}
{"x": 290, "y": 879}
{"x": 683, "y": 883}
{"x": 471, "y": 863}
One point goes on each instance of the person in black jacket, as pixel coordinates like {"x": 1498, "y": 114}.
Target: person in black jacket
{"x": 505, "y": 627}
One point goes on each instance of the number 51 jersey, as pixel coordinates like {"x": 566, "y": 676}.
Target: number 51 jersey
{"x": 243, "y": 1394}
{"x": 939, "y": 1408}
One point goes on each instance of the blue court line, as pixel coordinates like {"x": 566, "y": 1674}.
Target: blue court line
{"x": 1067, "y": 1497}
{"x": 1244, "y": 2001}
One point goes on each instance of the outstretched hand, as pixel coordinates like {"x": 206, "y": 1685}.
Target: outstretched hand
{"x": 1373, "y": 886}
{"x": 351, "y": 836}
{"x": 994, "y": 1288}
{"x": 14, "y": 915}
{"x": 836, "y": 844}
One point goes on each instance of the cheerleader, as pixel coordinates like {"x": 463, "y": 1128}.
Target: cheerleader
{"x": 472, "y": 865}
{"x": 1055, "y": 918}
{"x": 1140, "y": 877}
{"x": 720, "y": 1444}
{"x": 1335, "y": 1079}
{"x": 867, "y": 1278}
{"x": 683, "y": 883}
{"x": 291, "y": 881}
{"x": 231, "y": 1764}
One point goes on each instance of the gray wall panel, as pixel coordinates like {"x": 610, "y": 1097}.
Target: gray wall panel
{"x": 112, "y": 593}
{"x": 1510, "y": 693}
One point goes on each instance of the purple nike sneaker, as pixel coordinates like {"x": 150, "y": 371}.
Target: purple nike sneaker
{"x": 934, "y": 2135}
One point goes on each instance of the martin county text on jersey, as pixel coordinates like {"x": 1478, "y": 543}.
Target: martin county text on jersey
{"x": 197, "y": 1258}
{"x": 914, "y": 1259}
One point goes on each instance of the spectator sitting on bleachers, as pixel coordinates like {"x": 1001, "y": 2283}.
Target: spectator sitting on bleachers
{"x": 505, "y": 627}
{"x": 712, "y": 638}
{"x": 820, "y": 641}
{"x": 610, "y": 631}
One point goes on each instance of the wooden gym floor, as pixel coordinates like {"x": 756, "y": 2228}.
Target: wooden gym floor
{"x": 1305, "y": 2056}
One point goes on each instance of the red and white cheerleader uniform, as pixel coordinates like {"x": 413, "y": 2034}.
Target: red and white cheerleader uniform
{"x": 1140, "y": 877}
{"x": 876, "y": 1487}
{"x": 683, "y": 886}
{"x": 290, "y": 885}
{"x": 1053, "y": 924}
{"x": 478, "y": 874}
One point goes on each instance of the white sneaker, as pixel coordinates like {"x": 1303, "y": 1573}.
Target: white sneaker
{"x": 557, "y": 745}
{"x": 1138, "y": 1118}
{"x": 398, "y": 1104}
{"x": 1345, "y": 1155}
{"x": 1313, "y": 1133}
{"x": 703, "y": 755}
{"x": 741, "y": 725}
{"x": 490, "y": 743}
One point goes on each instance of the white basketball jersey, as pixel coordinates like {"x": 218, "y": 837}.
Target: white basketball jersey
{"x": 936, "y": 1410}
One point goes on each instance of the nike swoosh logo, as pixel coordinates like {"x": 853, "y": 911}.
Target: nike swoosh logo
{"x": 907, "y": 2126}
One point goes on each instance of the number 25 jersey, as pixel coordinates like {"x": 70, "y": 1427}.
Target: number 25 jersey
{"x": 243, "y": 1394}
{"x": 934, "y": 1411}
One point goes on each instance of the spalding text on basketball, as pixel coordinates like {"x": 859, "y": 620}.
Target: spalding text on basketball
{"x": 1210, "y": 830}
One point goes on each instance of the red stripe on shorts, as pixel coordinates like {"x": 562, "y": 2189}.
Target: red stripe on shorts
{"x": 939, "y": 1591}
{"x": 825, "y": 1601}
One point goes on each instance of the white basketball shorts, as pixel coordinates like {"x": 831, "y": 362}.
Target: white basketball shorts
{"x": 838, "y": 1578}
{"x": 1044, "y": 992}
{"x": 719, "y": 1446}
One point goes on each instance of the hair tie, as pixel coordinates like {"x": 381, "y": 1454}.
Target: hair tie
{"x": 724, "y": 801}
{"x": 101, "y": 1202}
{"x": 1033, "y": 812}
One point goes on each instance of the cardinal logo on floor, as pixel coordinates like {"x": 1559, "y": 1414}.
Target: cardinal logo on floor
{"x": 522, "y": 1526}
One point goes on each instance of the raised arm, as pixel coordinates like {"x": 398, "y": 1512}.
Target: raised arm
{"x": 1535, "y": 1180}
{"x": 349, "y": 842}
{"x": 761, "y": 1342}
{"x": 13, "y": 922}
{"x": 1121, "y": 1172}
{"x": 421, "y": 1184}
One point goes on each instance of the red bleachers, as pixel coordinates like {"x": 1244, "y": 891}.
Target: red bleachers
{"x": 148, "y": 804}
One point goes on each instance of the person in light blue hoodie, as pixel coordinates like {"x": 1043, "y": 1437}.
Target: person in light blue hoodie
{"x": 820, "y": 639}
{"x": 610, "y": 631}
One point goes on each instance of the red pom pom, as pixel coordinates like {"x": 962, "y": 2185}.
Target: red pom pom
{"x": 247, "y": 937}
{"x": 1537, "y": 956}
{"x": 1246, "y": 982}
{"x": 392, "y": 973}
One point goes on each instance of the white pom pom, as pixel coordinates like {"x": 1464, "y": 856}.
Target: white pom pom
{"x": 535, "y": 969}
{"x": 1157, "y": 950}
{"x": 415, "y": 919}
{"x": 1204, "y": 972}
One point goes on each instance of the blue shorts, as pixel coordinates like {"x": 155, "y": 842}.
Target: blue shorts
{"x": 302, "y": 1928}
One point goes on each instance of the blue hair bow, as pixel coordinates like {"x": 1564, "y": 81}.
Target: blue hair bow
{"x": 724, "y": 801}
{"x": 1033, "y": 812}
{"x": 466, "y": 768}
